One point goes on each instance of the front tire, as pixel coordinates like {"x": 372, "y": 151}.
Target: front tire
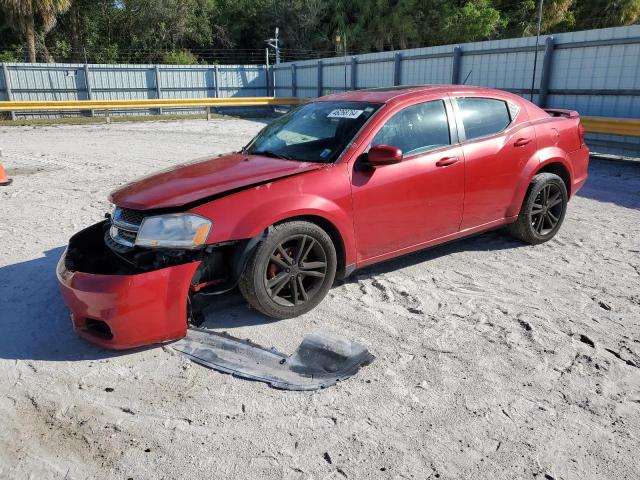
{"x": 543, "y": 210}
{"x": 290, "y": 271}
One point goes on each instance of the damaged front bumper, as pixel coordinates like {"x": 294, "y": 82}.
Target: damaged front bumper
{"x": 116, "y": 305}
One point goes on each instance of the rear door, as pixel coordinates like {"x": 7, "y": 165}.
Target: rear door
{"x": 497, "y": 141}
{"x": 419, "y": 199}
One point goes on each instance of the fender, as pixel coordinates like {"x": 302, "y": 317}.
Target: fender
{"x": 556, "y": 155}
{"x": 537, "y": 162}
{"x": 323, "y": 193}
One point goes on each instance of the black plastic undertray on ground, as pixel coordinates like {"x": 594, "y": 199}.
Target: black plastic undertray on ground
{"x": 321, "y": 360}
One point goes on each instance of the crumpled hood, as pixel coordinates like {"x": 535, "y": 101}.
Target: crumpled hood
{"x": 187, "y": 183}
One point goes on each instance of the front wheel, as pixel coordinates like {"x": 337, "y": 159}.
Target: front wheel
{"x": 290, "y": 271}
{"x": 543, "y": 210}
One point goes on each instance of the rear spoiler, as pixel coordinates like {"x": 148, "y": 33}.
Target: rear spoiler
{"x": 558, "y": 112}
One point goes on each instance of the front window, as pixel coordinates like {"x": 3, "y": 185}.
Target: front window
{"x": 315, "y": 132}
{"x": 416, "y": 129}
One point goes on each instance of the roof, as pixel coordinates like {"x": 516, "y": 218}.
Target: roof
{"x": 389, "y": 94}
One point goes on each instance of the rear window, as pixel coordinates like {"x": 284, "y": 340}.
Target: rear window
{"x": 482, "y": 117}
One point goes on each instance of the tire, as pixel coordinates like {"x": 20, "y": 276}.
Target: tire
{"x": 543, "y": 210}
{"x": 297, "y": 259}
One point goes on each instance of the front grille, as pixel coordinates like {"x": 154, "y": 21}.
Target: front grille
{"x": 127, "y": 235}
{"x": 124, "y": 228}
{"x": 133, "y": 217}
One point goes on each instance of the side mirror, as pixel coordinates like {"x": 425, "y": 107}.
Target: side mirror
{"x": 383, "y": 155}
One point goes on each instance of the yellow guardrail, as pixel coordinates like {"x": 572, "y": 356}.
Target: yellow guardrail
{"x": 612, "y": 126}
{"x": 604, "y": 125}
{"x": 25, "y": 106}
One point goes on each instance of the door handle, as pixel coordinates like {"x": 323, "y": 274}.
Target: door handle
{"x": 521, "y": 142}
{"x": 443, "y": 162}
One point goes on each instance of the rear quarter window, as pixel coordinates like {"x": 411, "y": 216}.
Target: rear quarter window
{"x": 482, "y": 117}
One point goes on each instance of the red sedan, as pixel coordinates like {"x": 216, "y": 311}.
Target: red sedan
{"x": 339, "y": 183}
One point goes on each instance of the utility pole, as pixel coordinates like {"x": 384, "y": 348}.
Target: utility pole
{"x": 342, "y": 39}
{"x": 535, "y": 55}
{"x": 344, "y": 46}
{"x": 275, "y": 44}
{"x": 266, "y": 57}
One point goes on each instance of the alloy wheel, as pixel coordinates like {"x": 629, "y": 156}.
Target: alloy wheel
{"x": 547, "y": 209}
{"x": 296, "y": 270}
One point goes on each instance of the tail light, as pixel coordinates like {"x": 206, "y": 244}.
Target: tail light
{"x": 581, "y": 133}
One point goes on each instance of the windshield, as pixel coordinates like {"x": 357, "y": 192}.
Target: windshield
{"x": 315, "y": 132}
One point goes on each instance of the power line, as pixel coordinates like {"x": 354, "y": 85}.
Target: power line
{"x": 535, "y": 56}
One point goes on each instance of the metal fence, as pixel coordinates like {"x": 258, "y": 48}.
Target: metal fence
{"x": 68, "y": 81}
{"x": 596, "y": 72}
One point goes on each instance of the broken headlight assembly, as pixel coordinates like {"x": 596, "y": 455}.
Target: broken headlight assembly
{"x": 175, "y": 230}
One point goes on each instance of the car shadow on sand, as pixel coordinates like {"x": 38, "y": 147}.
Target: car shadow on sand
{"x": 481, "y": 242}
{"x": 231, "y": 311}
{"x": 613, "y": 181}
{"x": 36, "y": 325}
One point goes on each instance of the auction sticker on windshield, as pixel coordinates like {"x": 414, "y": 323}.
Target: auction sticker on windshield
{"x": 345, "y": 113}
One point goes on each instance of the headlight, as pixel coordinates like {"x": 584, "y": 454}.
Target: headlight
{"x": 177, "y": 230}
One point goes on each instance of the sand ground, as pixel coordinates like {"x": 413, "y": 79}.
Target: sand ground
{"x": 495, "y": 360}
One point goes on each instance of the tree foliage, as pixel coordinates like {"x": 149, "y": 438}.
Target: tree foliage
{"x": 231, "y": 31}
{"x": 33, "y": 20}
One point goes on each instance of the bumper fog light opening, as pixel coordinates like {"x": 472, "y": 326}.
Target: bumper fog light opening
{"x": 98, "y": 328}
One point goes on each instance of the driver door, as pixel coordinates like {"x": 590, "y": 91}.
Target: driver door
{"x": 419, "y": 199}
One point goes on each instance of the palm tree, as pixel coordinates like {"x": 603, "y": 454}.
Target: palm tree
{"x": 24, "y": 13}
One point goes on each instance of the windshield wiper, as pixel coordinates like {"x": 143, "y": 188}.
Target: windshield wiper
{"x": 271, "y": 153}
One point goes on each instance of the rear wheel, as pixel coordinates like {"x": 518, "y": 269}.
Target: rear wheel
{"x": 543, "y": 210}
{"x": 291, "y": 271}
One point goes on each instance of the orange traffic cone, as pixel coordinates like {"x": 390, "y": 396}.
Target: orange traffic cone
{"x": 4, "y": 180}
